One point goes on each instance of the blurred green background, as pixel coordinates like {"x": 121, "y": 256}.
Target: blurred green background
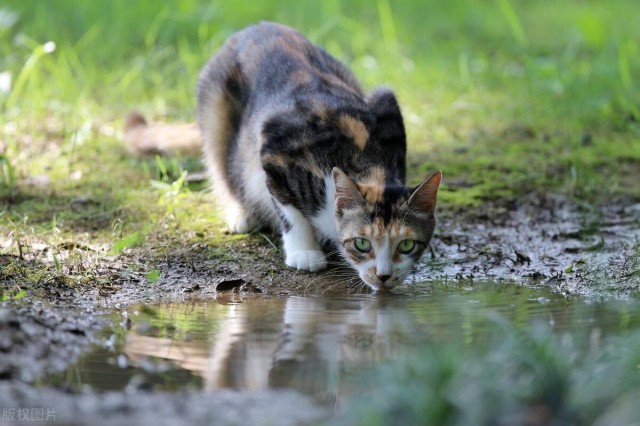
{"x": 507, "y": 97}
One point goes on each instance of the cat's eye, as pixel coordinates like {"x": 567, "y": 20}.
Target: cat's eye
{"x": 362, "y": 244}
{"x": 406, "y": 246}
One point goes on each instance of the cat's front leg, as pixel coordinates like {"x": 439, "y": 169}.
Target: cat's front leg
{"x": 301, "y": 248}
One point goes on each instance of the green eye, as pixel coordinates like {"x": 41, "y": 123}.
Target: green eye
{"x": 406, "y": 246}
{"x": 362, "y": 244}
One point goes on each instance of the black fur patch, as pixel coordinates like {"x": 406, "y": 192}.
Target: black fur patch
{"x": 392, "y": 198}
{"x": 285, "y": 225}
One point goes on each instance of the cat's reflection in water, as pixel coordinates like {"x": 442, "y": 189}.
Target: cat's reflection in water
{"x": 308, "y": 344}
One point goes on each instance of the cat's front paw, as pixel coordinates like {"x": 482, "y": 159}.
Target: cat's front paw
{"x": 306, "y": 260}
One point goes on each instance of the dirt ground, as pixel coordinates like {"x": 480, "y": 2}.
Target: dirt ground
{"x": 544, "y": 242}
{"x": 550, "y": 242}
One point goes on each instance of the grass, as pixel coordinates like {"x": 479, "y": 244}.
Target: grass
{"x": 531, "y": 376}
{"x": 506, "y": 97}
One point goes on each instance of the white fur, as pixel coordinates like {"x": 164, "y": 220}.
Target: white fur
{"x": 384, "y": 264}
{"x": 366, "y": 271}
{"x": 257, "y": 194}
{"x": 325, "y": 221}
{"x": 237, "y": 218}
{"x": 258, "y": 208}
{"x": 301, "y": 249}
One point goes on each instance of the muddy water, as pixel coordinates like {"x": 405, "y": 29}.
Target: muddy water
{"x": 318, "y": 345}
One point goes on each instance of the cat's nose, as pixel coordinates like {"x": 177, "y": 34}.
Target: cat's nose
{"x": 383, "y": 278}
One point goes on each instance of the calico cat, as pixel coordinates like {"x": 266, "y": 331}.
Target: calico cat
{"x": 291, "y": 141}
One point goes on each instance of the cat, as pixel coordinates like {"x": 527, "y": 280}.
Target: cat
{"x": 291, "y": 142}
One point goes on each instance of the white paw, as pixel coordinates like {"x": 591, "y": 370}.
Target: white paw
{"x": 239, "y": 222}
{"x": 306, "y": 260}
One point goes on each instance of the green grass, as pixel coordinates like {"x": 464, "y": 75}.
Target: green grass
{"x": 506, "y": 97}
{"x": 511, "y": 97}
{"x": 531, "y": 376}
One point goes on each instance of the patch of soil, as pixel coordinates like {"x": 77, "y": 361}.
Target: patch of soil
{"x": 550, "y": 242}
{"x": 37, "y": 338}
{"x": 547, "y": 241}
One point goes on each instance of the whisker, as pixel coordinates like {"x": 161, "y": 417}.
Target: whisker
{"x": 331, "y": 275}
{"x": 341, "y": 275}
{"x": 340, "y": 282}
{"x": 357, "y": 287}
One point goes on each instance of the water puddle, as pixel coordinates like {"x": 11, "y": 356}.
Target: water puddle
{"x": 317, "y": 345}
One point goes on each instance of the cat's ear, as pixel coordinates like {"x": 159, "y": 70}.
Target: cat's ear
{"x": 347, "y": 193}
{"x": 383, "y": 103}
{"x": 425, "y": 195}
{"x": 389, "y": 128}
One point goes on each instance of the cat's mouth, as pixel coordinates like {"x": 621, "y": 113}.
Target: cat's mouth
{"x": 386, "y": 283}
{"x": 385, "y": 288}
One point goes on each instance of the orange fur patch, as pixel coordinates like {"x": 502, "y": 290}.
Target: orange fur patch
{"x": 321, "y": 109}
{"x": 276, "y": 160}
{"x": 312, "y": 164}
{"x": 372, "y": 187}
{"x": 216, "y": 128}
{"x": 355, "y": 129}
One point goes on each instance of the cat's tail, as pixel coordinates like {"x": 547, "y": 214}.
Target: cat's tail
{"x": 143, "y": 138}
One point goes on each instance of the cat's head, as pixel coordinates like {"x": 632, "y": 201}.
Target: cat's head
{"x": 383, "y": 230}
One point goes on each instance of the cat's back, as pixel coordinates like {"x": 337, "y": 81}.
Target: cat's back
{"x": 268, "y": 60}
{"x": 277, "y": 113}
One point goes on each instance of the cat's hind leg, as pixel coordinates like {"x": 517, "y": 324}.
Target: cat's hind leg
{"x": 238, "y": 220}
{"x": 301, "y": 248}
{"x": 236, "y": 216}
{"x": 220, "y": 108}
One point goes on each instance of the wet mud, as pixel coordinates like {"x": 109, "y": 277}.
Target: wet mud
{"x": 551, "y": 243}
{"x": 36, "y": 338}
{"x": 547, "y": 242}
